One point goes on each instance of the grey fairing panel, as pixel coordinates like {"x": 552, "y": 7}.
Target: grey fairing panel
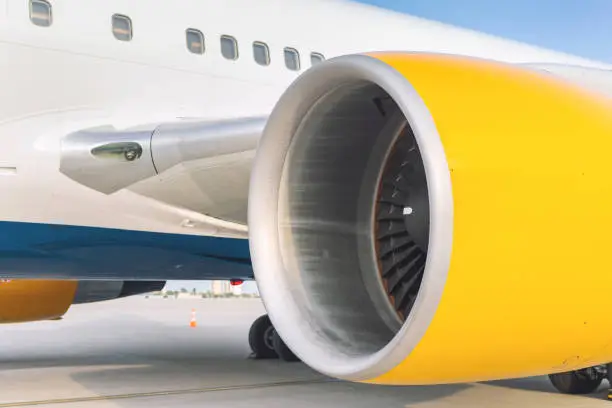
{"x": 97, "y": 291}
{"x": 202, "y": 166}
{"x": 97, "y": 158}
{"x": 177, "y": 143}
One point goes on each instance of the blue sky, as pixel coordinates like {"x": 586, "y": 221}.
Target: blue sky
{"x": 580, "y": 27}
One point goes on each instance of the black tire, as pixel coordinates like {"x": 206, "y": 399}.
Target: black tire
{"x": 576, "y": 382}
{"x": 283, "y": 352}
{"x": 260, "y": 338}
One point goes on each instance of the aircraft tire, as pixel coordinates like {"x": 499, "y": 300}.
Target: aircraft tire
{"x": 283, "y": 352}
{"x": 261, "y": 337}
{"x": 576, "y": 382}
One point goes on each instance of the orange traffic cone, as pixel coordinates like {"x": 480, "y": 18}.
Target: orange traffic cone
{"x": 193, "y": 322}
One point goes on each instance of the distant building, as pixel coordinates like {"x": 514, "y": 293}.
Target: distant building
{"x": 221, "y": 287}
{"x": 237, "y": 290}
{"x": 185, "y": 295}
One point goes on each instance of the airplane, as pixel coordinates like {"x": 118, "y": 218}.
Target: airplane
{"x": 418, "y": 203}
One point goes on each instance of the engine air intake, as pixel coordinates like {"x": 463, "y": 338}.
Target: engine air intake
{"x": 355, "y": 172}
{"x": 407, "y": 211}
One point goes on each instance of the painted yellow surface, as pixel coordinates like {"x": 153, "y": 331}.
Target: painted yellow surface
{"x": 530, "y": 158}
{"x": 32, "y": 300}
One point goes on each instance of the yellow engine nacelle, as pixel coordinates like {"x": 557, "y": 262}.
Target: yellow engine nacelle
{"x": 32, "y": 300}
{"x": 422, "y": 218}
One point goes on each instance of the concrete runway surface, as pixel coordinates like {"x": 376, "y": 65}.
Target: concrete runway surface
{"x": 142, "y": 353}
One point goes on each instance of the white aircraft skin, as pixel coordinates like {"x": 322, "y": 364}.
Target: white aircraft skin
{"x": 76, "y": 75}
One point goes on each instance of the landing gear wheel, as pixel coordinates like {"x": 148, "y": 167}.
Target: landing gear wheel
{"x": 261, "y": 337}
{"x": 583, "y": 381}
{"x": 283, "y": 352}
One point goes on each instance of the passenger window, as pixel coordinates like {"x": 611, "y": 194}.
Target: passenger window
{"x": 229, "y": 47}
{"x": 195, "y": 41}
{"x": 122, "y": 27}
{"x": 316, "y": 58}
{"x": 292, "y": 59}
{"x": 261, "y": 53}
{"x": 40, "y": 13}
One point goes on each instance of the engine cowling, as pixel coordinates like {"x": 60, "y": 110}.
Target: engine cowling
{"x": 97, "y": 291}
{"x": 421, "y": 219}
{"x": 34, "y": 300}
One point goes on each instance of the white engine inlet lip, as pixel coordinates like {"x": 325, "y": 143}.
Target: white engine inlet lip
{"x": 278, "y": 287}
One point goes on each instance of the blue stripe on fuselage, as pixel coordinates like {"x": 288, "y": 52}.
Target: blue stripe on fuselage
{"x": 51, "y": 251}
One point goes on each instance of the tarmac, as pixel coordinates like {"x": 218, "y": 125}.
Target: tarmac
{"x": 140, "y": 352}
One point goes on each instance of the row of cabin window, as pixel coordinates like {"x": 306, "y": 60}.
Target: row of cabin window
{"x": 261, "y": 51}
{"x": 41, "y": 14}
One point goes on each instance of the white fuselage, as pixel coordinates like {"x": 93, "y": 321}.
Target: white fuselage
{"x": 75, "y": 75}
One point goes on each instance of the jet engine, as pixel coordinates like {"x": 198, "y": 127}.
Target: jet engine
{"x": 33, "y": 300}
{"x": 426, "y": 218}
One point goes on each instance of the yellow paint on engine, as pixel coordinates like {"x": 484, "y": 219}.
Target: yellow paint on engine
{"x": 32, "y": 300}
{"x": 528, "y": 290}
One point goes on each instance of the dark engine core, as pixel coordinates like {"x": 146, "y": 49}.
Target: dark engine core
{"x": 402, "y": 223}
